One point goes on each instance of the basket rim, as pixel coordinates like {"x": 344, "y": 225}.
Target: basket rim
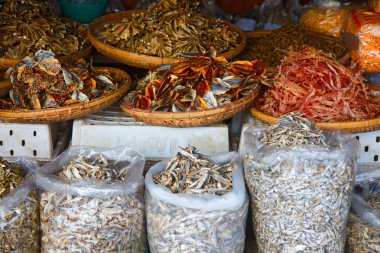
{"x": 69, "y": 111}
{"x": 97, "y": 43}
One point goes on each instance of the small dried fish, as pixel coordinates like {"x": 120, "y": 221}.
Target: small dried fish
{"x": 19, "y": 226}
{"x": 193, "y": 172}
{"x": 300, "y": 188}
{"x": 85, "y": 224}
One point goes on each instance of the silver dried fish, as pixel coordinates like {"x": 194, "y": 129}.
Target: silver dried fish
{"x": 86, "y": 224}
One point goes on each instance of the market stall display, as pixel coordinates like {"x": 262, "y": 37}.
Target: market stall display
{"x": 45, "y": 90}
{"x": 195, "y": 91}
{"x": 19, "y": 208}
{"x": 363, "y": 228}
{"x": 29, "y": 26}
{"x": 166, "y": 31}
{"x": 93, "y": 200}
{"x": 326, "y": 92}
{"x": 195, "y": 203}
{"x": 300, "y": 181}
{"x": 271, "y": 46}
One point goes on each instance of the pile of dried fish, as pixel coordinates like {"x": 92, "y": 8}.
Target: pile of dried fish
{"x": 191, "y": 205}
{"x": 29, "y": 26}
{"x": 168, "y": 29}
{"x": 300, "y": 187}
{"x": 42, "y": 82}
{"x": 193, "y": 172}
{"x": 19, "y": 225}
{"x": 87, "y": 224}
{"x": 198, "y": 83}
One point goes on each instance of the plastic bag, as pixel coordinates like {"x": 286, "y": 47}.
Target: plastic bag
{"x": 362, "y": 35}
{"x": 196, "y": 222}
{"x": 326, "y": 17}
{"x": 93, "y": 216}
{"x": 273, "y": 14}
{"x": 363, "y": 228}
{"x": 300, "y": 194}
{"x": 19, "y": 214}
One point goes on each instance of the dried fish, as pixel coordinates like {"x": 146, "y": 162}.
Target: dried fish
{"x": 198, "y": 83}
{"x": 300, "y": 186}
{"x": 42, "y": 82}
{"x": 84, "y": 223}
{"x": 187, "y": 212}
{"x": 169, "y": 28}
{"x": 19, "y": 210}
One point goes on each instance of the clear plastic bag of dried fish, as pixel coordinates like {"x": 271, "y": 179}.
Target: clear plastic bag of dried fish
{"x": 363, "y": 228}
{"x": 19, "y": 207}
{"x": 300, "y": 181}
{"x": 93, "y": 201}
{"x": 196, "y": 203}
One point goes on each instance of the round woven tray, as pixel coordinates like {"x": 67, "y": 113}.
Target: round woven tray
{"x": 349, "y": 126}
{"x": 140, "y": 60}
{"x": 72, "y": 111}
{"x": 192, "y": 118}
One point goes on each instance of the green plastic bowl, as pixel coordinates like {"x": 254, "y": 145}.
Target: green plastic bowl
{"x": 83, "y": 12}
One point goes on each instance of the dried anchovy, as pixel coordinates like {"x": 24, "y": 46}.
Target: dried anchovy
{"x": 168, "y": 29}
{"x": 84, "y": 224}
{"x": 19, "y": 228}
{"x": 42, "y": 82}
{"x": 293, "y": 130}
{"x": 300, "y": 206}
{"x": 361, "y": 236}
{"x": 178, "y": 229}
{"x": 27, "y": 26}
{"x": 272, "y": 48}
{"x": 192, "y": 172}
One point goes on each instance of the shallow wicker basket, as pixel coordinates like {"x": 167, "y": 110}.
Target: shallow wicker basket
{"x": 192, "y": 118}
{"x": 140, "y": 60}
{"x": 72, "y": 111}
{"x": 85, "y": 52}
{"x": 349, "y": 126}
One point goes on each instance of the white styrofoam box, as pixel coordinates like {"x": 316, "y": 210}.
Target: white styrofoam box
{"x": 41, "y": 142}
{"x": 112, "y": 128}
{"x": 369, "y": 142}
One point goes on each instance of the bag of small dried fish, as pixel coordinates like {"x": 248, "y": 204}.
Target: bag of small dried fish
{"x": 363, "y": 229}
{"x": 196, "y": 204}
{"x": 93, "y": 201}
{"x": 19, "y": 209}
{"x": 300, "y": 180}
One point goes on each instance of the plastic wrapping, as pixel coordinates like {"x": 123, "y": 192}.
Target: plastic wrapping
{"x": 273, "y": 14}
{"x": 90, "y": 216}
{"x": 19, "y": 214}
{"x": 326, "y": 17}
{"x": 363, "y": 229}
{"x": 196, "y": 222}
{"x": 362, "y": 35}
{"x": 300, "y": 194}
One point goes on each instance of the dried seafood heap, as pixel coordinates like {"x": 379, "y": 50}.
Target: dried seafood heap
{"x": 42, "y": 82}
{"x": 179, "y": 221}
{"x": 27, "y": 26}
{"x": 193, "y": 172}
{"x": 320, "y": 88}
{"x": 19, "y": 226}
{"x": 168, "y": 29}
{"x": 300, "y": 188}
{"x": 198, "y": 83}
{"x": 84, "y": 224}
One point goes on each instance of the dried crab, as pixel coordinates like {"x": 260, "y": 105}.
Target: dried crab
{"x": 197, "y": 83}
{"x": 28, "y": 26}
{"x": 168, "y": 29}
{"x": 42, "y": 81}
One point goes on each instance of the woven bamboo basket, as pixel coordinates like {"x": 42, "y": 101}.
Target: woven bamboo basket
{"x": 192, "y": 118}
{"x": 140, "y": 60}
{"x": 70, "y": 112}
{"x": 349, "y": 126}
